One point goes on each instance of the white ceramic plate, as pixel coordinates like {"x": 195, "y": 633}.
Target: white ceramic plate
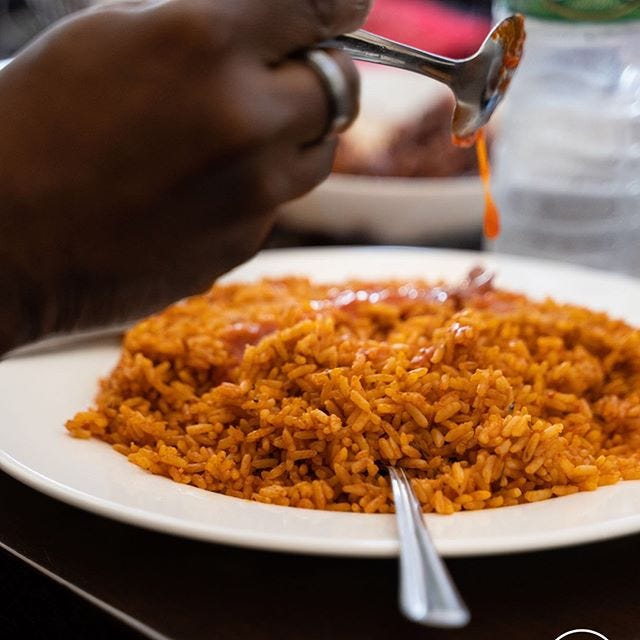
{"x": 39, "y": 392}
{"x": 392, "y": 210}
{"x": 389, "y": 209}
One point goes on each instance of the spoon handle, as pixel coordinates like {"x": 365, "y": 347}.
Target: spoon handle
{"x": 362, "y": 45}
{"x": 427, "y": 592}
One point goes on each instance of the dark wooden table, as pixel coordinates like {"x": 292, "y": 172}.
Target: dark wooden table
{"x": 182, "y": 589}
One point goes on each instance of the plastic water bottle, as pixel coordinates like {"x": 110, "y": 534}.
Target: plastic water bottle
{"x": 566, "y": 160}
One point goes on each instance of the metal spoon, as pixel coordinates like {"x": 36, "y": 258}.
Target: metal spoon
{"x": 478, "y": 82}
{"x": 427, "y": 593}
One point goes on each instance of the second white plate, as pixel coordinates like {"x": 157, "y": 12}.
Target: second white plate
{"x": 403, "y": 210}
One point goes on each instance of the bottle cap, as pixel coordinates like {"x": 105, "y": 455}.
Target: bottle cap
{"x": 578, "y": 10}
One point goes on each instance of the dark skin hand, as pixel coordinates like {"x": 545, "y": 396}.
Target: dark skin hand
{"x": 145, "y": 146}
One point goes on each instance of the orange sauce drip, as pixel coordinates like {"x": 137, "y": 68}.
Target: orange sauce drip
{"x": 491, "y": 216}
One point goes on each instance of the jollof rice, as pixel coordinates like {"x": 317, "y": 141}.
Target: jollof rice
{"x": 294, "y": 393}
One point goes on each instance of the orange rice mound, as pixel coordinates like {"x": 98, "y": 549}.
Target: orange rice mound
{"x": 294, "y": 393}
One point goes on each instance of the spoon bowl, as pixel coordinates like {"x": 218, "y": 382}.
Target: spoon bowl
{"x": 478, "y": 82}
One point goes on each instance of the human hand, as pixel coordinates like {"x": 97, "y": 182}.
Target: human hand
{"x": 144, "y": 145}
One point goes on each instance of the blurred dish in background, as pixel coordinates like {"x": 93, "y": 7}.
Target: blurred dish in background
{"x": 394, "y": 210}
{"x": 398, "y": 177}
{"x": 401, "y": 136}
{"x": 419, "y": 147}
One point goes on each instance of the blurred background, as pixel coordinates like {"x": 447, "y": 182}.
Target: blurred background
{"x": 20, "y": 20}
{"x": 397, "y": 177}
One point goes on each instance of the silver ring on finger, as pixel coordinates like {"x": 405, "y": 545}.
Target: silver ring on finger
{"x": 337, "y": 87}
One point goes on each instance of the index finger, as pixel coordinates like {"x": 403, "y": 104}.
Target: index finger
{"x": 282, "y": 27}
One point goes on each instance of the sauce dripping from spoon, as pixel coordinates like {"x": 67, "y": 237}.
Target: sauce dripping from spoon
{"x": 491, "y": 223}
{"x": 510, "y": 34}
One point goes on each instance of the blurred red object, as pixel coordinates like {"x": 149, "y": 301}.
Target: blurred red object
{"x": 429, "y": 25}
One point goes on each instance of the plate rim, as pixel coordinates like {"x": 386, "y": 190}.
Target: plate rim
{"x": 317, "y": 545}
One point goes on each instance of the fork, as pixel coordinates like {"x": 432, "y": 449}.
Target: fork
{"x": 427, "y": 592}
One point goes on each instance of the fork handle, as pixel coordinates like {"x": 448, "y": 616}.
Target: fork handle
{"x": 427, "y": 592}
{"x": 363, "y": 45}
